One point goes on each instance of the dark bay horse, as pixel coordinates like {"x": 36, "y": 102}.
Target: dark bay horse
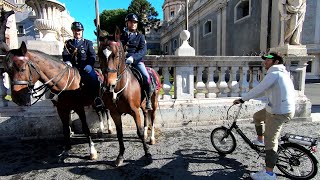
{"x": 25, "y": 68}
{"x": 123, "y": 94}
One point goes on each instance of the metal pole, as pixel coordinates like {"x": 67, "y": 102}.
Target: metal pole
{"x": 97, "y": 22}
{"x": 187, "y": 14}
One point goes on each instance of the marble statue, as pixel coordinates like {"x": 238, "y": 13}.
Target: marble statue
{"x": 292, "y": 11}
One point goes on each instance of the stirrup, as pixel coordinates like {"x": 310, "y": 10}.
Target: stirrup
{"x": 98, "y": 102}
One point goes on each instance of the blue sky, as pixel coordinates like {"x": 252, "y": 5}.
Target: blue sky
{"x": 84, "y": 11}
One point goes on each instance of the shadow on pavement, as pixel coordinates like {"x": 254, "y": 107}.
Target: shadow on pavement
{"x": 40, "y": 156}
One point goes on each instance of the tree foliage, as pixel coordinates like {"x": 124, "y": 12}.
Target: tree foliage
{"x": 109, "y": 19}
{"x": 147, "y": 14}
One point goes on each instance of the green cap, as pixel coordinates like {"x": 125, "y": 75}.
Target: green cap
{"x": 268, "y": 56}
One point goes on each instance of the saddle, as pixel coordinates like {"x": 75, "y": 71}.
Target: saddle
{"x": 155, "y": 85}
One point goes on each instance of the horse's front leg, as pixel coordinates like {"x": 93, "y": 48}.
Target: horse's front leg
{"x": 137, "y": 119}
{"x": 117, "y": 121}
{"x": 64, "y": 115}
{"x": 81, "y": 113}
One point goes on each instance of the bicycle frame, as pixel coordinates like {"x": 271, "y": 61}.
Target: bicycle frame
{"x": 234, "y": 125}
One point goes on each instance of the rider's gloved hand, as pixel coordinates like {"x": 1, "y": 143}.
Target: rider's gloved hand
{"x": 88, "y": 68}
{"x": 69, "y": 63}
{"x": 238, "y": 101}
{"x": 129, "y": 60}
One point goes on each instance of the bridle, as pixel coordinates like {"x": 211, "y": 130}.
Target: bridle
{"x": 20, "y": 70}
{"x": 45, "y": 86}
{"x": 117, "y": 71}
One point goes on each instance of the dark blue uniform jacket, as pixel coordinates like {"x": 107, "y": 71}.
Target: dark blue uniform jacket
{"x": 136, "y": 46}
{"x": 85, "y": 54}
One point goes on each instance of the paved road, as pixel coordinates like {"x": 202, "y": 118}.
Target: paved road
{"x": 184, "y": 153}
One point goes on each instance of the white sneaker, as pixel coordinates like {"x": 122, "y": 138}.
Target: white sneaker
{"x": 262, "y": 175}
{"x": 257, "y": 142}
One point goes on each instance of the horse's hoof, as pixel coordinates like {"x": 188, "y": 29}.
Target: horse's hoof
{"x": 148, "y": 159}
{"x": 118, "y": 162}
{"x": 94, "y": 156}
{"x": 110, "y": 131}
{"x": 152, "y": 141}
{"x": 99, "y": 134}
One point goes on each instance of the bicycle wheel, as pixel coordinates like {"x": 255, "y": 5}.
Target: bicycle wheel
{"x": 296, "y": 162}
{"x": 223, "y": 140}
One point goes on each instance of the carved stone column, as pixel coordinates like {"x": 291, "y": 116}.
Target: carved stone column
{"x": 48, "y": 22}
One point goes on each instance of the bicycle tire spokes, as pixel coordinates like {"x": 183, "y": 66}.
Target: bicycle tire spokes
{"x": 296, "y": 162}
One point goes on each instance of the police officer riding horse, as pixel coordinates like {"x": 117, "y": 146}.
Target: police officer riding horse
{"x": 136, "y": 48}
{"x": 79, "y": 53}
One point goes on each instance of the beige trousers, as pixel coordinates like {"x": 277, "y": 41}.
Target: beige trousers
{"x": 272, "y": 124}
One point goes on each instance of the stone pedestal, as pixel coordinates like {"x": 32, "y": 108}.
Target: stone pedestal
{"x": 184, "y": 79}
{"x": 184, "y": 83}
{"x": 287, "y": 50}
{"x": 185, "y": 49}
{"x": 48, "y": 47}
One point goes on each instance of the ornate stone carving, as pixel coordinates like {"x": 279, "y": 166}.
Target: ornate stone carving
{"x": 48, "y": 14}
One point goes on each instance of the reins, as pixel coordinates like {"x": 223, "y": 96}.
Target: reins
{"x": 45, "y": 86}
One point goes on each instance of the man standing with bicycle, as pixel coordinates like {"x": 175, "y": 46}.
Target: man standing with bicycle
{"x": 280, "y": 108}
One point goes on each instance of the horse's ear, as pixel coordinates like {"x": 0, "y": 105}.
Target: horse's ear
{"x": 23, "y": 48}
{"x": 117, "y": 34}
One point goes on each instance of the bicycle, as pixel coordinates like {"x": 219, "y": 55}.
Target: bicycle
{"x": 295, "y": 158}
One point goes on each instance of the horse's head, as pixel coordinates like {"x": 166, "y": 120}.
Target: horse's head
{"x": 111, "y": 56}
{"x": 16, "y": 64}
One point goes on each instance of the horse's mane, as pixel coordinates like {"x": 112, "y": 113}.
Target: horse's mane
{"x": 46, "y": 56}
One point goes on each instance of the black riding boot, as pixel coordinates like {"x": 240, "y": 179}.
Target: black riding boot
{"x": 149, "y": 91}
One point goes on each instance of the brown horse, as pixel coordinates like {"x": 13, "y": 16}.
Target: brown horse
{"x": 123, "y": 93}
{"x": 25, "y": 68}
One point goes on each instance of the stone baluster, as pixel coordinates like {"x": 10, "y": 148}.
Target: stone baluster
{"x": 254, "y": 77}
{"x": 233, "y": 84}
{"x": 166, "y": 83}
{"x": 244, "y": 80}
{"x": 199, "y": 85}
{"x": 211, "y": 86}
{"x": 223, "y": 84}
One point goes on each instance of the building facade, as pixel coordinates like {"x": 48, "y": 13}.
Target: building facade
{"x": 236, "y": 28}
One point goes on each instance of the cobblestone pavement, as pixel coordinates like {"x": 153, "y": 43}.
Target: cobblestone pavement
{"x": 184, "y": 153}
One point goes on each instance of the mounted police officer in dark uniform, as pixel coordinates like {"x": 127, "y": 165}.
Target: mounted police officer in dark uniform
{"x": 79, "y": 53}
{"x": 136, "y": 49}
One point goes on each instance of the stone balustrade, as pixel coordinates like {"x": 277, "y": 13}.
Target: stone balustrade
{"x": 218, "y": 76}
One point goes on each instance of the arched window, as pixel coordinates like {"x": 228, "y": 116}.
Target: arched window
{"x": 166, "y": 49}
{"x": 242, "y": 10}
{"x": 207, "y": 27}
